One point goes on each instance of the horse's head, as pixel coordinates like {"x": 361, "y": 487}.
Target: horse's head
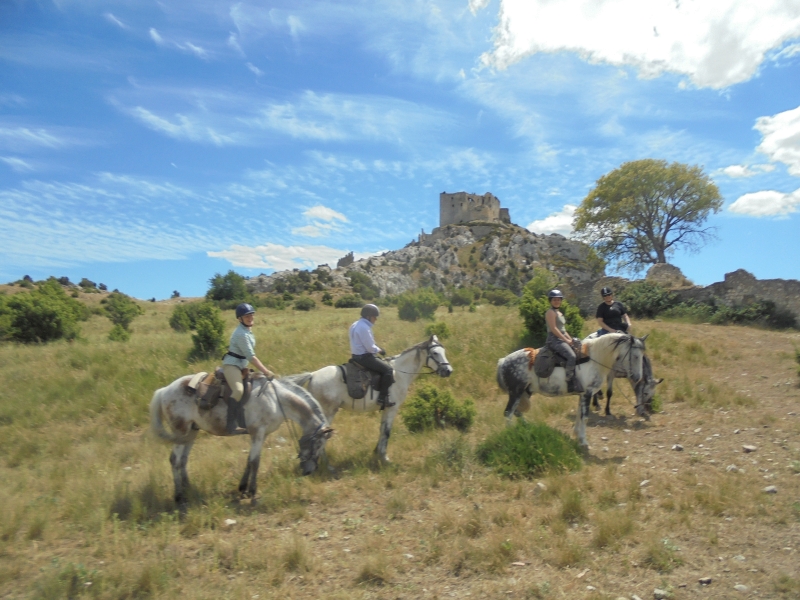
{"x": 311, "y": 446}
{"x": 620, "y": 351}
{"x": 436, "y": 359}
{"x": 646, "y": 389}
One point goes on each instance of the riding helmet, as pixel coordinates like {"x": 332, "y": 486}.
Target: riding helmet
{"x": 244, "y": 309}
{"x": 606, "y": 291}
{"x": 370, "y": 310}
{"x": 554, "y": 294}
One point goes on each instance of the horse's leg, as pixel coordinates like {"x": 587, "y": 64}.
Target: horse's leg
{"x": 178, "y": 460}
{"x": 580, "y": 419}
{"x": 610, "y": 392}
{"x": 386, "y": 431}
{"x": 250, "y": 477}
{"x": 596, "y": 399}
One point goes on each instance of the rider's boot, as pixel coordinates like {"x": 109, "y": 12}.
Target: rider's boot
{"x": 384, "y": 402}
{"x": 233, "y": 411}
{"x": 574, "y": 385}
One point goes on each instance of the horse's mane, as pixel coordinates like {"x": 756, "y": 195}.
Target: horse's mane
{"x": 419, "y": 346}
{"x": 305, "y": 396}
{"x": 603, "y": 348}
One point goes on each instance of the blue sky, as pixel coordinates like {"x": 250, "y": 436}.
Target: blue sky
{"x": 149, "y": 145}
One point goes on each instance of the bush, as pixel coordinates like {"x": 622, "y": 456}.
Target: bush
{"x": 45, "y": 314}
{"x": 121, "y": 309}
{"x": 532, "y": 308}
{"x": 646, "y": 299}
{"x": 327, "y": 299}
{"x": 500, "y": 297}
{"x": 762, "y": 312}
{"x": 691, "y": 312}
{"x": 541, "y": 282}
{"x": 529, "y": 450}
{"x": 119, "y": 334}
{"x": 420, "y": 304}
{"x": 228, "y": 289}
{"x": 439, "y": 329}
{"x": 305, "y": 303}
{"x": 362, "y": 285}
{"x": 462, "y": 297}
{"x": 209, "y": 337}
{"x": 87, "y": 284}
{"x": 271, "y": 301}
{"x": 434, "y": 408}
{"x": 349, "y": 301}
{"x": 185, "y": 316}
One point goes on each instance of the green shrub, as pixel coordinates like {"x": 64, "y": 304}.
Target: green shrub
{"x": 529, "y": 450}
{"x": 349, "y": 301}
{"x": 532, "y": 309}
{"x": 228, "y": 290}
{"x": 270, "y": 301}
{"x": 121, "y": 309}
{"x": 209, "y": 329}
{"x": 119, "y": 333}
{"x": 462, "y": 297}
{"x": 421, "y": 304}
{"x": 540, "y": 283}
{"x": 439, "y": 329}
{"x": 362, "y": 285}
{"x": 761, "y": 312}
{"x": 327, "y": 299}
{"x": 690, "y": 312}
{"x": 645, "y": 299}
{"x": 434, "y": 408}
{"x": 500, "y": 297}
{"x": 44, "y": 314}
{"x": 305, "y": 303}
{"x": 185, "y": 316}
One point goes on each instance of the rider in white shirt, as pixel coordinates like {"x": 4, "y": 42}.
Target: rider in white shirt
{"x": 364, "y": 349}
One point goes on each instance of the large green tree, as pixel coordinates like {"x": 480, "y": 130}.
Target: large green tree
{"x": 641, "y": 212}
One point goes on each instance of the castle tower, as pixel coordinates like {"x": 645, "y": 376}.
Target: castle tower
{"x": 461, "y": 207}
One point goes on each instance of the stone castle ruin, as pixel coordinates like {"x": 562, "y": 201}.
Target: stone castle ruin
{"x": 461, "y": 207}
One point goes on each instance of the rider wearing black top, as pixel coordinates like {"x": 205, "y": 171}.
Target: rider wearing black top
{"x": 612, "y": 315}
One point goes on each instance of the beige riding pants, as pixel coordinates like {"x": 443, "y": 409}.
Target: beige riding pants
{"x": 233, "y": 375}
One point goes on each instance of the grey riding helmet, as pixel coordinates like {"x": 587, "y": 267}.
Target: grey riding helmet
{"x": 244, "y": 309}
{"x": 370, "y": 310}
{"x": 554, "y": 294}
{"x": 606, "y": 291}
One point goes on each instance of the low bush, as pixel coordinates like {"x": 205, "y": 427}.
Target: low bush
{"x": 184, "y": 316}
{"x": 645, "y": 299}
{"x": 439, "y": 329}
{"x": 421, "y": 304}
{"x": 305, "y": 304}
{"x": 500, "y": 297}
{"x": 529, "y": 450}
{"x": 121, "y": 309}
{"x": 270, "y": 301}
{"x": 327, "y": 299}
{"x": 44, "y": 314}
{"x": 119, "y": 334}
{"x": 462, "y": 297}
{"x": 362, "y": 285}
{"x": 209, "y": 329}
{"x": 349, "y": 301}
{"x": 432, "y": 408}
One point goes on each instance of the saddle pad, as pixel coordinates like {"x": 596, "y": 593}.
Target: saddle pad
{"x": 196, "y": 379}
{"x": 359, "y": 379}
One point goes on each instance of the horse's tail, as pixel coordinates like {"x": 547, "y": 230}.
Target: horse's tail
{"x": 500, "y": 379}
{"x": 300, "y": 379}
{"x": 157, "y": 422}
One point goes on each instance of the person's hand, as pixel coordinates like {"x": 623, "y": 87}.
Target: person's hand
{"x": 382, "y": 352}
{"x": 269, "y": 375}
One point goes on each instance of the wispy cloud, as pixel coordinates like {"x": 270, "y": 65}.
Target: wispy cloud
{"x": 16, "y": 137}
{"x": 258, "y": 72}
{"x": 161, "y": 41}
{"x": 184, "y": 127}
{"x": 17, "y": 164}
{"x": 278, "y": 257}
{"x": 322, "y": 221}
{"x": 112, "y": 19}
{"x": 767, "y": 203}
{"x": 781, "y": 138}
{"x": 558, "y": 222}
{"x": 716, "y": 43}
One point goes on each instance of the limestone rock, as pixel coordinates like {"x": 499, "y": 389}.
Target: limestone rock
{"x": 668, "y": 276}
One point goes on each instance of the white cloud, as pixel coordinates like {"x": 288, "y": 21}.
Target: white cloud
{"x": 295, "y": 26}
{"x": 280, "y": 258}
{"x": 160, "y": 40}
{"x": 17, "y": 164}
{"x": 716, "y": 43}
{"x": 781, "y": 138}
{"x": 323, "y": 213}
{"x": 156, "y": 37}
{"x": 233, "y": 42}
{"x": 258, "y": 72}
{"x": 767, "y": 203}
{"x": 196, "y": 50}
{"x": 24, "y": 136}
{"x": 737, "y": 171}
{"x": 184, "y": 127}
{"x": 322, "y": 222}
{"x": 112, "y": 19}
{"x": 559, "y": 222}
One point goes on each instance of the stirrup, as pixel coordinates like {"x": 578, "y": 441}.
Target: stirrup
{"x": 385, "y": 403}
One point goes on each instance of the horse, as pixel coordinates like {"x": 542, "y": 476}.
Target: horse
{"x": 328, "y": 386}
{"x": 515, "y": 375}
{"x": 271, "y": 402}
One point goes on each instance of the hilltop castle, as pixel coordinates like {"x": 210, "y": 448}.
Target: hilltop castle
{"x": 461, "y": 207}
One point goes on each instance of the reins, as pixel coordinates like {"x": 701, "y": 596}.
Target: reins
{"x": 285, "y": 418}
{"x": 431, "y": 356}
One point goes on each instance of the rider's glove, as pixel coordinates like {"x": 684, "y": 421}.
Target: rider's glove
{"x": 382, "y": 352}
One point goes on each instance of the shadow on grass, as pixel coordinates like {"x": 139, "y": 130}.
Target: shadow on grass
{"x": 143, "y": 505}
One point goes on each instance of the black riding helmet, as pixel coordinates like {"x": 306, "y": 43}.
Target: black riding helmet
{"x": 606, "y": 291}
{"x": 244, "y": 309}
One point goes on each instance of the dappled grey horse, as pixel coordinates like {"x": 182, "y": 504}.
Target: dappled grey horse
{"x": 271, "y": 403}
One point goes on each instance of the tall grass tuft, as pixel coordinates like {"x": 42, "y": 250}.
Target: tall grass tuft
{"x": 529, "y": 450}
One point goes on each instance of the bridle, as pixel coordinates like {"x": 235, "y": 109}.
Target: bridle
{"x": 430, "y": 356}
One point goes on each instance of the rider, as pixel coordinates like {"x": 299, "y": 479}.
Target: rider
{"x": 364, "y": 349}
{"x": 241, "y": 351}
{"x": 612, "y": 315}
{"x": 559, "y": 341}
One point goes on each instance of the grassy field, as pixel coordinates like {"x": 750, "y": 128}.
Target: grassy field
{"x": 85, "y": 491}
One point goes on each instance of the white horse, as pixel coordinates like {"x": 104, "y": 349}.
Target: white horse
{"x": 328, "y": 386}
{"x": 515, "y": 375}
{"x": 271, "y": 402}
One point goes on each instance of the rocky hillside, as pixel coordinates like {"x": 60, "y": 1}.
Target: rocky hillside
{"x": 477, "y": 254}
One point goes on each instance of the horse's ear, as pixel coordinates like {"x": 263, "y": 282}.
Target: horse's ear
{"x": 644, "y": 338}
{"x": 434, "y": 339}
{"x": 659, "y": 380}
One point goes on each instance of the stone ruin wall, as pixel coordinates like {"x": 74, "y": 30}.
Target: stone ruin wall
{"x": 461, "y": 207}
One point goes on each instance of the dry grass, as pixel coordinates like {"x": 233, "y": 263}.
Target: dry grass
{"x": 85, "y": 499}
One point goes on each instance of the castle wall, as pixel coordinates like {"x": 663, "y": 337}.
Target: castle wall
{"x": 461, "y": 207}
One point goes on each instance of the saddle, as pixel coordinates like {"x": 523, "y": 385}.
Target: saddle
{"x": 359, "y": 379}
{"x": 210, "y": 388}
{"x": 545, "y": 360}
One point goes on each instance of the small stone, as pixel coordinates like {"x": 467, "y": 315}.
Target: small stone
{"x": 605, "y": 448}
{"x": 605, "y": 439}
{"x": 635, "y": 597}
{"x": 626, "y": 430}
{"x": 736, "y": 430}
{"x": 740, "y": 588}
{"x": 770, "y": 489}
{"x": 748, "y": 448}
{"x": 539, "y": 488}
{"x": 738, "y": 557}
{"x": 698, "y": 430}
{"x": 677, "y": 448}
{"x": 590, "y": 588}
{"x": 732, "y": 469}
{"x": 230, "y": 522}
{"x": 323, "y": 536}
{"x": 704, "y": 581}
{"x": 411, "y": 557}
{"x": 644, "y": 483}
{"x": 661, "y": 594}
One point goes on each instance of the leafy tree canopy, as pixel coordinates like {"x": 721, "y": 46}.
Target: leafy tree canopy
{"x": 230, "y": 287}
{"x": 639, "y": 213}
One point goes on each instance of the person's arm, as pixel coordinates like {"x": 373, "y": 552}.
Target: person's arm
{"x": 628, "y": 321}
{"x": 550, "y": 318}
{"x": 364, "y": 336}
{"x": 260, "y": 366}
{"x": 603, "y": 325}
